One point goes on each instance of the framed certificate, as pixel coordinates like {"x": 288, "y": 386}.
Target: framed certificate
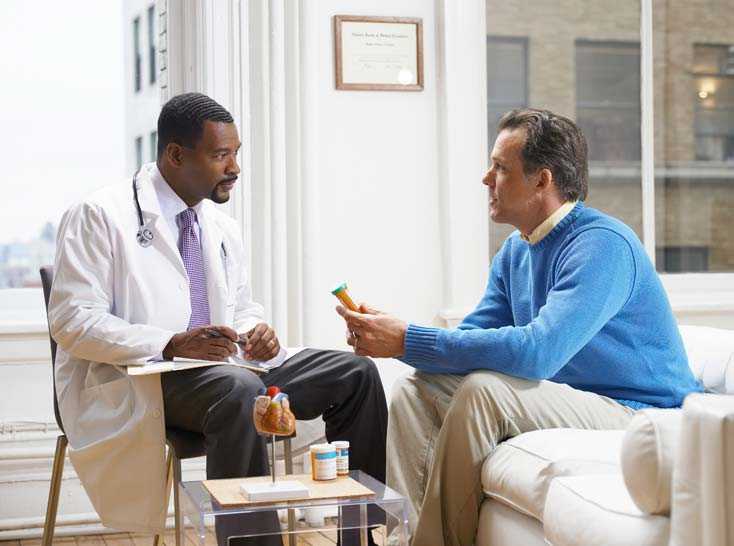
{"x": 378, "y": 53}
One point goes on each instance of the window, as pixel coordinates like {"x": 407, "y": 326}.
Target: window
{"x": 137, "y": 57}
{"x": 33, "y": 202}
{"x": 138, "y": 152}
{"x": 713, "y": 81}
{"x": 151, "y": 44}
{"x": 683, "y": 258}
{"x": 694, "y": 138}
{"x": 589, "y": 68}
{"x": 608, "y": 98}
{"x": 153, "y": 145}
{"x": 552, "y": 60}
{"x": 507, "y": 77}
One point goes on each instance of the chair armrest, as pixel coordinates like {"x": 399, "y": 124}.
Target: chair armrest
{"x": 703, "y": 477}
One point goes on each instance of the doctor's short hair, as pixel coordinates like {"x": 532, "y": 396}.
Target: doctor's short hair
{"x": 553, "y": 142}
{"x": 182, "y": 119}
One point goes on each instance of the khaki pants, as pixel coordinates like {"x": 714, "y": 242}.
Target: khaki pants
{"x": 441, "y": 428}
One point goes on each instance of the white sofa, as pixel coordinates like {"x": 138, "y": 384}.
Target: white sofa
{"x": 569, "y": 487}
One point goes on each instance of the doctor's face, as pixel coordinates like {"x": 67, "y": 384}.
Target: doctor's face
{"x": 210, "y": 169}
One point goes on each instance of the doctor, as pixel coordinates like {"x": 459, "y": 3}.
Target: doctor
{"x": 147, "y": 272}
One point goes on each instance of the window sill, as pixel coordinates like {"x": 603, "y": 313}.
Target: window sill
{"x": 23, "y": 328}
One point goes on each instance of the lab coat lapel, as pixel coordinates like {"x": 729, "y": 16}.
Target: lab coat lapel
{"x": 214, "y": 262}
{"x": 163, "y": 239}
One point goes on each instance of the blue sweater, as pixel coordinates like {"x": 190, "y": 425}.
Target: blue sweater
{"x": 583, "y": 306}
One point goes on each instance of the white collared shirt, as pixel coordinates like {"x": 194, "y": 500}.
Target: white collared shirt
{"x": 547, "y": 225}
{"x": 172, "y": 205}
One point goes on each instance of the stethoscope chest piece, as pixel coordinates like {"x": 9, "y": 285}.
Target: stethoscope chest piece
{"x": 145, "y": 237}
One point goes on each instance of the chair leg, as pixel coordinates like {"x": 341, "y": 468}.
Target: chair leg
{"x": 178, "y": 516}
{"x": 288, "y": 456}
{"x": 54, "y": 490}
{"x": 158, "y": 540}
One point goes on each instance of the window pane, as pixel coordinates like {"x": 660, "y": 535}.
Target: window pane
{"x": 608, "y": 98}
{"x": 153, "y": 145}
{"x": 138, "y": 152}
{"x": 579, "y": 59}
{"x": 68, "y": 127}
{"x": 137, "y": 56}
{"x": 63, "y": 123}
{"x": 151, "y": 44}
{"x": 694, "y": 135}
{"x": 507, "y": 85}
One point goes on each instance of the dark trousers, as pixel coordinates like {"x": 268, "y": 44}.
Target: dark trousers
{"x": 217, "y": 402}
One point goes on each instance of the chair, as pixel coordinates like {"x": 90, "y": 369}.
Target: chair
{"x": 181, "y": 445}
{"x": 61, "y": 442}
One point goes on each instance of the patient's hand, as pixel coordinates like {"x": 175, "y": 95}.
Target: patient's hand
{"x": 373, "y": 333}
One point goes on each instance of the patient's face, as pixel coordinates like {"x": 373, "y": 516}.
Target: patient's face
{"x": 511, "y": 194}
{"x": 211, "y": 168}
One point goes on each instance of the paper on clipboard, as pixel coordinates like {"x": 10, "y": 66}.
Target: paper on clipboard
{"x": 177, "y": 364}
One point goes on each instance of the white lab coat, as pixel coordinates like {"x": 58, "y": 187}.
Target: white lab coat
{"x": 115, "y": 302}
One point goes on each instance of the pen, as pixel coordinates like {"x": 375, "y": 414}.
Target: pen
{"x": 216, "y": 333}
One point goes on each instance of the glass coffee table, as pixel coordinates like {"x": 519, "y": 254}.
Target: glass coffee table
{"x": 260, "y": 523}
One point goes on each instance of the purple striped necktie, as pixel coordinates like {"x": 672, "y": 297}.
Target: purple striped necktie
{"x": 190, "y": 248}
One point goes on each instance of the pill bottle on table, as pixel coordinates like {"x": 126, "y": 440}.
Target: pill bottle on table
{"x": 323, "y": 462}
{"x": 342, "y": 457}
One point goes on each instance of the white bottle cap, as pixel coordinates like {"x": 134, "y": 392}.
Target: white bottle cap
{"x": 322, "y": 448}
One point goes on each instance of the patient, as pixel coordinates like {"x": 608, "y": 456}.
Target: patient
{"x": 574, "y": 330}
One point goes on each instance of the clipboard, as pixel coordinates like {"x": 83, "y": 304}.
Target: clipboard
{"x": 180, "y": 363}
{"x": 177, "y": 364}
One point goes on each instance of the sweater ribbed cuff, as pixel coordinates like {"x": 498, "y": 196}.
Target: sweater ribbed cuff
{"x": 420, "y": 345}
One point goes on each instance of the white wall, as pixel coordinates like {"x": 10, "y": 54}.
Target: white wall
{"x": 373, "y": 175}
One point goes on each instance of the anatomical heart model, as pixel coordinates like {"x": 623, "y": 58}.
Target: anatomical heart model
{"x": 272, "y": 414}
{"x": 273, "y": 417}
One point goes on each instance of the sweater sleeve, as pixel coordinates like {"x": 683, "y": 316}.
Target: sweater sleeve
{"x": 493, "y": 311}
{"x": 593, "y": 279}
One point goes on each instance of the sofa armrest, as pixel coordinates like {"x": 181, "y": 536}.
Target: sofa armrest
{"x": 703, "y": 477}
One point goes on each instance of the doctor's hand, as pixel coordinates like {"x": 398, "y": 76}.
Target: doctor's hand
{"x": 203, "y": 343}
{"x": 262, "y": 343}
{"x": 374, "y": 333}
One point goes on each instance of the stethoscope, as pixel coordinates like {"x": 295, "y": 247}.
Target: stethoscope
{"x": 144, "y": 235}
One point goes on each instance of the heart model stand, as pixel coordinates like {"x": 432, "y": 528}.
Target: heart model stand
{"x": 272, "y": 416}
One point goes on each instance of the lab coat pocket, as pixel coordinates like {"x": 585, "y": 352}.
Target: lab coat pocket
{"x": 106, "y": 408}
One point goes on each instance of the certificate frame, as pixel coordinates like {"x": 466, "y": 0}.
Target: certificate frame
{"x": 377, "y": 53}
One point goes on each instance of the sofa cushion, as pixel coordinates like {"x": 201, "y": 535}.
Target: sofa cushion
{"x": 500, "y": 525}
{"x": 710, "y": 356}
{"x": 648, "y": 451}
{"x": 520, "y": 469}
{"x": 597, "y": 509}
